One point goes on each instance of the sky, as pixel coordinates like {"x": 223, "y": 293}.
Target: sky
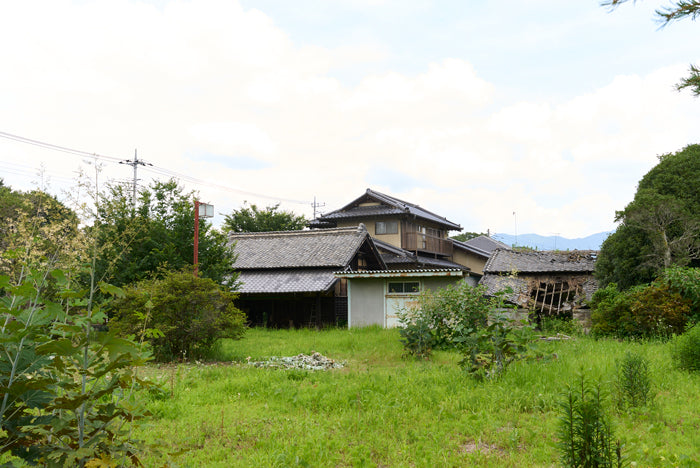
{"x": 524, "y": 116}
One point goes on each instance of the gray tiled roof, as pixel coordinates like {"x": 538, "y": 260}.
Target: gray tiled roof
{"x": 330, "y": 248}
{"x": 389, "y": 206}
{"x": 439, "y": 263}
{"x": 507, "y": 261}
{"x": 481, "y": 245}
{"x": 286, "y": 281}
{"x": 393, "y": 255}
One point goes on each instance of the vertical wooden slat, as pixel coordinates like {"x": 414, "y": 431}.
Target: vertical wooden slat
{"x": 551, "y": 300}
{"x": 561, "y": 293}
{"x": 544, "y": 299}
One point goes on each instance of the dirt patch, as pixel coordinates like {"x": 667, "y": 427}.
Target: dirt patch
{"x": 485, "y": 449}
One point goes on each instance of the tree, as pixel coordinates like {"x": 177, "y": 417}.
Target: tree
{"x": 465, "y": 236}
{"x": 676, "y": 11}
{"x": 157, "y": 236}
{"x": 35, "y": 229}
{"x": 660, "y": 227}
{"x": 673, "y": 232}
{"x": 252, "y": 219}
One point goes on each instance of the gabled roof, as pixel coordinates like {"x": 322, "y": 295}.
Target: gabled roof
{"x": 512, "y": 261}
{"x": 388, "y": 206}
{"x": 481, "y": 245}
{"x": 332, "y": 249}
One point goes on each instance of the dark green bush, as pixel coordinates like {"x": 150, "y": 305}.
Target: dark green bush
{"x": 611, "y": 312}
{"x": 654, "y": 311}
{"x": 182, "y": 316}
{"x": 685, "y": 350}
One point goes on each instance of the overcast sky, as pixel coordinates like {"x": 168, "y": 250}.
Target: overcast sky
{"x": 476, "y": 110}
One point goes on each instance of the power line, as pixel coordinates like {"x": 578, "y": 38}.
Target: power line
{"x": 51, "y": 146}
{"x": 154, "y": 169}
{"x": 27, "y": 170}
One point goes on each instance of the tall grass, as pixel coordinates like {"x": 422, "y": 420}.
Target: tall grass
{"x": 382, "y": 410}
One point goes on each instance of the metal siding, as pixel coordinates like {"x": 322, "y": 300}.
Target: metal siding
{"x": 367, "y": 302}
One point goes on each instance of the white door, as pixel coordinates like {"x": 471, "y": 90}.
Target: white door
{"x": 400, "y": 296}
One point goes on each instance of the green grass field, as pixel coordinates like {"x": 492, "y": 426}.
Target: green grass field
{"x": 384, "y": 410}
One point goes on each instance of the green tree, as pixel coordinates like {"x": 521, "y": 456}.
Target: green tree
{"x": 676, "y": 11}
{"x": 35, "y": 229}
{"x": 253, "y": 219}
{"x": 156, "y": 236}
{"x": 660, "y": 227}
{"x": 465, "y": 236}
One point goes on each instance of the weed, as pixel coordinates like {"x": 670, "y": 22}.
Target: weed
{"x": 685, "y": 350}
{"x": 585, "y": 431}
{"x": 417, "y": 338}
{"x": 490, "y": 351}
{"x": 633, "y": 383}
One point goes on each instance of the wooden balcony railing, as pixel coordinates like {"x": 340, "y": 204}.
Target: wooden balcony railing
{"x": 417, "y": 241}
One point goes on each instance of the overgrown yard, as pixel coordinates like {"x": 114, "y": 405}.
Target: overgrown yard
{"x": 383, "y": 410}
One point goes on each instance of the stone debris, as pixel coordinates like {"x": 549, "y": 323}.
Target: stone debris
{"x": 315, "y": 361}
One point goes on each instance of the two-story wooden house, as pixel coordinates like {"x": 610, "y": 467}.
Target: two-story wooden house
{"x": 408, "y": 236}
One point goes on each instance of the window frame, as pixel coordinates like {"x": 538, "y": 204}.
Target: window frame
{"x": 385, "y": 227}
{"x": 404, "y": 286}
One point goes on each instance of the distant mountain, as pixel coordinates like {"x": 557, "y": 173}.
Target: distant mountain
{"x": 592, "y": 242}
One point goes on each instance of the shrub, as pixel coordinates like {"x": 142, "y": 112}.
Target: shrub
{"x": 611, "y": 314}
{"x": 488, "y": 352}
{"x": 181, "y": 315}
{"x": 686, "y": 282}
{"x": 565, "y": 325}
{"x": 657, "y": 311}
{"x": 685, "y": 350}
{"x": 448, "y": 312}
{"x": 585, "y": 432}
{"x": 633, "y": 382}
{"x": 642, "y": 312}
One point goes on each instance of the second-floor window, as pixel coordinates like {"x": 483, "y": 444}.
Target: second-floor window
{"x": 386, "y": 227}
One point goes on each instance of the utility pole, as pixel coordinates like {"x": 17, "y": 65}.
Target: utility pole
{"x": 135, "y": 164}
{"x": 317, "y": 205}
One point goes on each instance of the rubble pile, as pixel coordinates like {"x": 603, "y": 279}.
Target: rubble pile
{"x": 315, "y": 361}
